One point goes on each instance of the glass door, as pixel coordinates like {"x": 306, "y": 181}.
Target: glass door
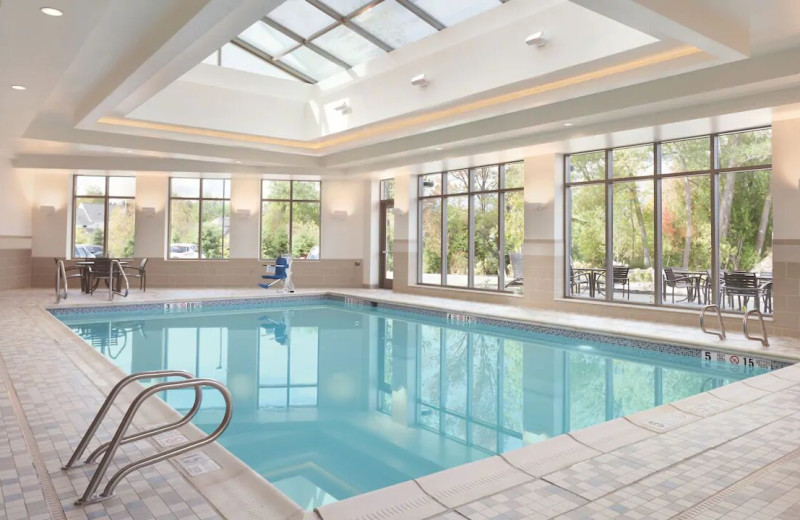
{"x": 387, "y": 244}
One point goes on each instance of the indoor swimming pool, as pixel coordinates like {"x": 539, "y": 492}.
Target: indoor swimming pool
{"x": 336, "y": 398}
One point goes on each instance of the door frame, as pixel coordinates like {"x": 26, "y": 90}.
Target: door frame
{"x": 383, "y": 282}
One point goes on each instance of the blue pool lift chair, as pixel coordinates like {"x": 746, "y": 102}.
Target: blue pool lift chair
{"x": 280, "y": 271}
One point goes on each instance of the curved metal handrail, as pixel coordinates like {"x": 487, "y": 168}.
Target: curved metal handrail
{"x": 101, "y": 413}
{"x": 763, "y": 339}
{"x": 61, "y": 275}
{"x": 121, "y": 271}
{"x": 89, "y": 497}
{"x": 721, "y": 332}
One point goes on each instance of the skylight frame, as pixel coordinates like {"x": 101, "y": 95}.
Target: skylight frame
{"x": 338, "y": 20}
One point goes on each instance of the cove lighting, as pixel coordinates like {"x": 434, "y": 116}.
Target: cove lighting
{"x": 51, "y": 11}
{"x": 568, "y": 124}
{"x": 19, "y": 87}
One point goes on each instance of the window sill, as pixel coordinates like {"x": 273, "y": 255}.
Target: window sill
{"x": 467, "y": 290}
{"x": 647, "y": 306}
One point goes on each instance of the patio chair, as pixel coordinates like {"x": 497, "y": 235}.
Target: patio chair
{"x": 516, "y": 268}
{"x": 678, "y": 281}
{"x": 100, "y": 270}
{"x": 140, "y": 273}
{"x": 280, "y": 271}
{"x": 73, "y": 271}
{"x": 620, "y": 278}
{"x": 743, "y": 285}
{"x": 577, "y": 281}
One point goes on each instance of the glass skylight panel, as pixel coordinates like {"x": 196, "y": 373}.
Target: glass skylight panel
{"x": 300, "y": 17}
{"x": 348, "y": 46}
{"x": 345, "y": 7}
{"x": 394, "y": 24}
{"x": 267, "y": 38}
{"x": 235, "y": 58}
{"x": 310, "y": 63}
{"x": 450, "y": 12}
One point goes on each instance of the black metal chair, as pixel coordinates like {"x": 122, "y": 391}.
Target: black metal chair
{"x": 620, "y": 278}
{"x": 678, "y": 281}
{"x": 73, "y": 271}
{"x": 577, "y": 280}
{"x": 743, "y": 285}
{"x": 100, "y": 270}
{"x": 140, "y": 273}
{"x": 515, "y": 259}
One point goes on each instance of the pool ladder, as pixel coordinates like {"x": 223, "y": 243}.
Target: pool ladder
{"x": 764, "y": 339}
{"x": 120, "y": 438}
{"x": 61, "y": 277}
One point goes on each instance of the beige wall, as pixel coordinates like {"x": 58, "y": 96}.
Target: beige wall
{"x": 343, "y": 242}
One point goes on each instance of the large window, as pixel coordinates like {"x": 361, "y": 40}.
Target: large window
{"x": 104, "y": 217}
{"x": 685, "y": 222}
{"x": 290, "y": 219}
{"x": 199, "y": 218}
{"x": 471, "y": 228}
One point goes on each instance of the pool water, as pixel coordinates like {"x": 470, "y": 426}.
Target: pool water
{"x": 331, "y": 401}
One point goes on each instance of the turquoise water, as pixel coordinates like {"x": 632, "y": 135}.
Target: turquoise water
{"x": 333, "y": 401}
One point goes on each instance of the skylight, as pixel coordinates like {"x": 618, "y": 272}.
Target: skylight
{"x": 310, "y": 40}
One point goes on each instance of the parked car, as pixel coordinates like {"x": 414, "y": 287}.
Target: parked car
{"x": 183, "y": 251}
{"x": 313, "y": 253}
{"x": 83, "y": 251}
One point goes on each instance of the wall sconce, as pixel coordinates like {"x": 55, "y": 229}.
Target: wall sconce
{"x": 420, "y": 81}
{"x": 340, "y": 215}
{"x": 536, "y": 39}
{"x": 342, "y": 107}
{"x": 47, "y": 210}
{"x": 537, "y": 206}
{"x": 242, "y": 213}
{"x": 398, "y": 211}
{"x": 148, "y": 212}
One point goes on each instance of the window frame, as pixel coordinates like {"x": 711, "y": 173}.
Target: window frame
{"x": 608, "y": 181}
{"x": 470, "y": 193}
{"x": 200, "y": 200}
{"x": 291, "y": 200}
{"x": 106, "y": 201}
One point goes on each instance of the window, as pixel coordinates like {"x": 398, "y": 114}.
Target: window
{"x": 104, "y": 217}
{"x": 387, "y": 189}
{"x": 199, "y": 218}
{"x": 290, "y": 219}
{"x": 472, "y": 228}
{"x": 644, "y": 217}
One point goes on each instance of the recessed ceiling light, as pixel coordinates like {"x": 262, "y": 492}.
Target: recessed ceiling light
{"x": 568, "y": 124}
{"x": 439, "y": 148}
{"x": 19, "y": 87}
{"x": 128, "y": 151}
{"x": 51, "y": 11}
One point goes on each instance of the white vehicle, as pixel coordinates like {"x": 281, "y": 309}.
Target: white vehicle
{"x": 183, "y": 251}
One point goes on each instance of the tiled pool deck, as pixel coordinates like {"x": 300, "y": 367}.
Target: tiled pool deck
{"x": 730, "y": 453}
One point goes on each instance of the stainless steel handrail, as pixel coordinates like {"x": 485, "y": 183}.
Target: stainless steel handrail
{"x": 721, "y": 332}
{"x": 763, "y": 339}
{"x": 90, "y": 498}
{"x": 61, "y": 274}
{"x": 111, "y": 280}
{"x": 101, "y": 413}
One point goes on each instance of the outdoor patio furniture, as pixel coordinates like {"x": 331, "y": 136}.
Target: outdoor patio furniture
{"x": 577, "y": 280}
{"x": 620, "y": 278}
{"x": 100, "y": 270}
{"x": 516, "y": 269}
{"x": 73, "y": 271}
{"x": 140, "y": 273}
{"x": 743, "y": 285}
{"x": 681, "y": 280}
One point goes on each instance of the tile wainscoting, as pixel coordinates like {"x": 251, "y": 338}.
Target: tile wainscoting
{"x": 15, "y": 268}
{"x": 224, "y": 273}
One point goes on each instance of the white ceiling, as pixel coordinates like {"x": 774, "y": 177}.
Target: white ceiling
{"x": 610, "y": 67}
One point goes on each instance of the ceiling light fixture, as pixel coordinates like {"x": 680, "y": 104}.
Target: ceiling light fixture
{"x": 536, "y": 39}
{"x": 342, "y": 107}
{"x": 419, "y": 81}
{"x": 568, "y": 124}
{"x": 51, "y": 11}
{"x": 19, "y": 87}
{"x": 439, "y": 148}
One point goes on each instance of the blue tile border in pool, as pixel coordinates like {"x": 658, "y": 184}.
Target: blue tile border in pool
{"x": 452, "y": 318}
